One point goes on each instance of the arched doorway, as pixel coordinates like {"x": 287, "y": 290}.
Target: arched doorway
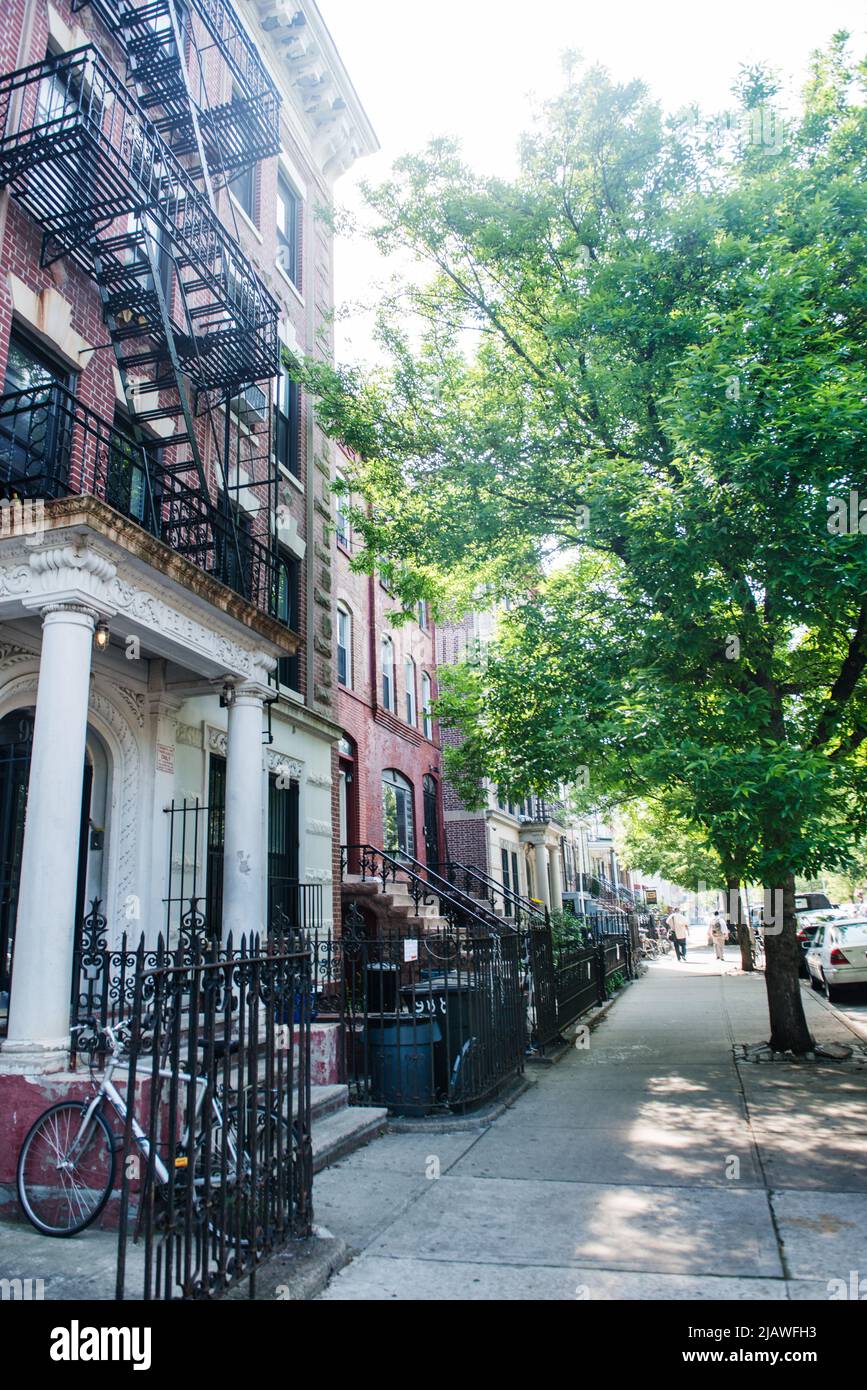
{"x": 398, "y": 815}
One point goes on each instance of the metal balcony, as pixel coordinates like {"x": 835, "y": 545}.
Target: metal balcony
{"x": 236, "y": 133}
{"x": 86, "y": 162}
{"x": 51, "y": 446}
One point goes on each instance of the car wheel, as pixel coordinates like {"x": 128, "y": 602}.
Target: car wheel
{"x": 835, "y": 994}
{"x": 814, "y": 983}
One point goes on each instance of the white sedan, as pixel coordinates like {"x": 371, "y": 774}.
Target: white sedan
{"x": 837, "y": 955}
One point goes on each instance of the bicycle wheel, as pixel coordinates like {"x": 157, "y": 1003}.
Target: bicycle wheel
{"x": 65, "y": 1177}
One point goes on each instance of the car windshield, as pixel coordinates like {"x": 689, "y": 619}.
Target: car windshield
{"x": 853, "y": 932}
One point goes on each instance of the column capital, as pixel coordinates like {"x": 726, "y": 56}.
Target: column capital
{"x": 77, "y": 614}
{"x": 247, "y": 692}
{"x": 69, "y": 578}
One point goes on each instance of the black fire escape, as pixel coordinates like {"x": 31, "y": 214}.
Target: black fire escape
{"x": 127, "y": 187}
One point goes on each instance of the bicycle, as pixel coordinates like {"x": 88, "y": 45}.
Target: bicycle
{"x": 67, "y": 1164}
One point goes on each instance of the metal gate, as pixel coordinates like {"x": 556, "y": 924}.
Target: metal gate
{"x": 217, "y": 1160}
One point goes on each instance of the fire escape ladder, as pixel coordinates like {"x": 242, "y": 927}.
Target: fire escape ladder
{"x": 156, "y": 295}
{"x": 227, "y": 138}
{"x": 157, "y": 63}
{"x": 190, "y": 322}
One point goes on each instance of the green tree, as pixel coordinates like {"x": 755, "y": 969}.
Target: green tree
{"x": 633, "y": 388}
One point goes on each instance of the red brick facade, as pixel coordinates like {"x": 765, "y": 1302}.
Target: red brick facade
{"x": 382, "y": 739}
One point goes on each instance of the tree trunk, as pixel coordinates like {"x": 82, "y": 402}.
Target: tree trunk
{"x": 735, "y": 914}
{"x": 789, "y": 1031}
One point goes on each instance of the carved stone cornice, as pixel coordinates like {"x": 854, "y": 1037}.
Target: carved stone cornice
{"x": 315, "y": 77}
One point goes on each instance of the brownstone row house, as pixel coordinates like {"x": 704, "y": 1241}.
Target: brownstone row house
{"x": 390, "y": 764}
{"x": 169, "y": 724}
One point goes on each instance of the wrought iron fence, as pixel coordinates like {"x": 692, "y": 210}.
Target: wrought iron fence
{"x": 569, "y": 975}
{"x": 217, "y": 1168}
{"x": 433, "y": 1022}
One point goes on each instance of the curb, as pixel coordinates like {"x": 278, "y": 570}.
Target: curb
{"x": 300, "y": 1272}
{"x": 859, "y": 1032}
{"x": 451, "y": 1124}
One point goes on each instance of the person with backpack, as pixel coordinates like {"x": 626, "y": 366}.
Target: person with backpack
{"x": 719, "y": 934}
{"x": 678, "y": 927}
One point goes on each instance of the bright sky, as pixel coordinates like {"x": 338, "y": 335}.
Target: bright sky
{"x": 472, "y": 68}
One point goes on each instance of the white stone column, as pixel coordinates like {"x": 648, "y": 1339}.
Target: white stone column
{"x": 244, "y": 843}
{"x": 44, "y": 933}
{"x": 556, "y": 880}
{"x": 543, "y": 888}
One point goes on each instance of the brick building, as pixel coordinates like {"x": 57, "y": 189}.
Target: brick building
{"x": 390, "y": 783}
{"x": 168, "y": 712}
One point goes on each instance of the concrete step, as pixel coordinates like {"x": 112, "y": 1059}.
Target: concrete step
{"x": 325, "y": 1100}
{"x": 345, "y": 1130}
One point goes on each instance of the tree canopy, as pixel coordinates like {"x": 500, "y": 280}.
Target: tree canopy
{"x": 629, "y": 399}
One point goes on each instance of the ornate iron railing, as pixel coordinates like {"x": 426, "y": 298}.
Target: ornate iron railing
{"x": 569, "y": 975}
{"x": 477, "y": 883}
{"x": 219, "y": 1175}
{"x": 51, "y": 446}
{"x": 424, "y": 886}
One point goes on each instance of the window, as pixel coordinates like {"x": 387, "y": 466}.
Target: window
{"x": 27, "y": 367}
{"x": 421, "y": 612}
{"x": 409, "y": 681}
{"x": 288, "y": 586}
{"x": 288, "y": 230}
{"x": 504, "y": 860}
{"x": 398, "y": 821}
{"x": 286, "y": 420}
{"x": 126, "y": 484}
{"x": 284, "y": 898}
{"x": 243, "y": 188}
{"x": 34, "y": 427}
{"x": 344, "y": 646}
{"x": 233, "y": 553}
{"x": 387, "y": 661}
{"x": 60, "y": 93}
{"x": 216, "y": 838}
{"x": 342, "y": 528}
{"x": 427, "y": 718}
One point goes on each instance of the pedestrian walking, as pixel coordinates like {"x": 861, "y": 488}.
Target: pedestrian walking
{"x": 678, "y": 927}
{"x": 719, "y": 933}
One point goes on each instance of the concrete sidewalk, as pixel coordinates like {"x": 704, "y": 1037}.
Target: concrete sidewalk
{"x": 649, "y": 1166}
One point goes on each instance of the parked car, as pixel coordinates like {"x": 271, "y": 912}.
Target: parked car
{"x": 837, "y": 955}
{"x": 809, "y": 909}
{"x": 812, "y": 902}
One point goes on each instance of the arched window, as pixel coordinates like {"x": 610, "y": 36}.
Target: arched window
{"x": 344, "y": 646}
{"x": 409, "y": 682}
{"x": 426, "y": 695}
{"x": 398, "y": 820}
{"x": 388, "y": 693}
